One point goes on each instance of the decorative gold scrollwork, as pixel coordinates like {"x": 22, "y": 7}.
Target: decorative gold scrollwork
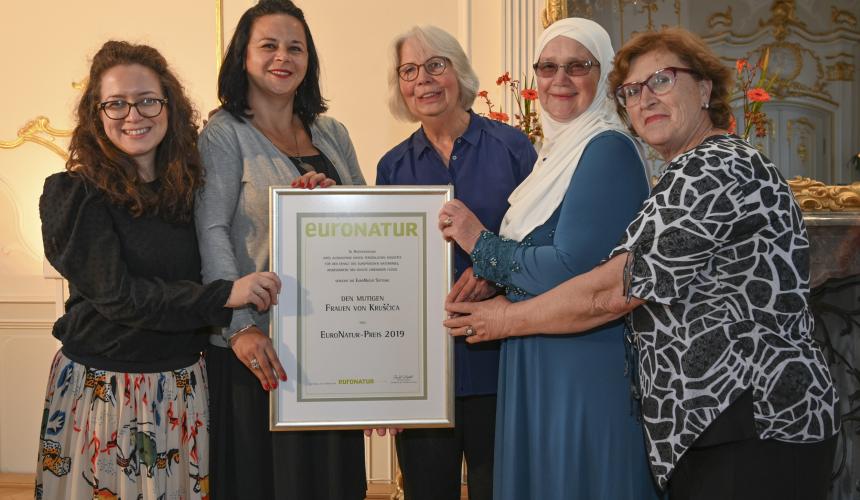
{"x": 840, "y": 72}
{"x": 721, "y": 18}
{"x": 842, "y": 17}
{"x": 783, "y": 20}
{"x": 553, "y": 11}
{"x": 815, "y": 196}
{"x": 787, "y": 62}
{"x": 35, "y": 131}
{"x": 783, "y": 16}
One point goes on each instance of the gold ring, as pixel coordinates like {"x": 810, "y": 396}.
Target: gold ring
{"x": 448, "y": 222}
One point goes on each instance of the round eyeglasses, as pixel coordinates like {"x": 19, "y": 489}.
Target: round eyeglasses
{"x": 148, "y": 107}
{"x": 546, "y": 69}
{"x": 660, "y": 82}
{"x": 434, "y": 66}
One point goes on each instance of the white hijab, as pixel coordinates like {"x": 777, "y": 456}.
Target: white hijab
{"x": 535, "y": 200}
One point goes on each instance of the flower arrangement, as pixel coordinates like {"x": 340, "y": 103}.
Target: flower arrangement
{"x": 524, "y": 95}
{"x": 754, "y": 95}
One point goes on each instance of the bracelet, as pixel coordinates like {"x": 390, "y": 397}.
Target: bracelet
{"x": 240, "y": 331}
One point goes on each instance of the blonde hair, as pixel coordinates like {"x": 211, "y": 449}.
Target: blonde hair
{"x": 438, "y": 42}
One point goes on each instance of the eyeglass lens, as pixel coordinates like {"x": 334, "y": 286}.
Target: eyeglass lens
{"x": 548, "y": 69}
{"x": 659, "y": 83}
{"x": 434, "y": 66}
{"x": 147, "y": 108}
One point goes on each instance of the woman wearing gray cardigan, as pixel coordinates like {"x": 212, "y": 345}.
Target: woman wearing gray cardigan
{"x": 269, "y": 132}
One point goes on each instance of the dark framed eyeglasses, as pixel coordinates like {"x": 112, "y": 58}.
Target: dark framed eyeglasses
{"x": 434, "y": 66}
{"x": 660, "y": 82}
{"x": 148, "y": 107}
{"x": 546, "y": 69}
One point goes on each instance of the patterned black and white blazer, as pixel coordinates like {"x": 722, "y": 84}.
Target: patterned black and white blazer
{"x": 720, "y": 253}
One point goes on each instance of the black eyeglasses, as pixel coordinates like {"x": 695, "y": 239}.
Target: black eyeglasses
{"x": 660, "y": 82}
{"x": 546, "y": 69}
{"x": 434, "y": 66}
{"x": 148, "y": 107}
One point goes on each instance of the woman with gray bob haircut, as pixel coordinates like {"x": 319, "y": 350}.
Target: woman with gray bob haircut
{"x": 442, "y": 44}
{"x": 431, "y": 82}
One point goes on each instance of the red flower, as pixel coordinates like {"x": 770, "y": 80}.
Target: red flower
{"x": 733, "y": 125}
{"x": 758, "y": 94}
{"x": 483, "y": 94}
{"x": 499, "y": 116}
{"x": 740, "y": 64}
{"x": 529, "y": 94}
{"x": 503, "y": 79}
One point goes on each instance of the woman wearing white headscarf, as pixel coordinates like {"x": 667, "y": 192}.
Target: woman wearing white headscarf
{"x": 566, "y": 424}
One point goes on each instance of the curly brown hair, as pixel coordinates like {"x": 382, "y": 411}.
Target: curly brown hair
{"x": 177, "y": 162}
{"x": 693, "y": 51}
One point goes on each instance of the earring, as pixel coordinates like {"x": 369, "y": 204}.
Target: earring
{"x": 707, "y": 105}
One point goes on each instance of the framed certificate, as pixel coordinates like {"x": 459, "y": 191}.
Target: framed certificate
{"x": 358, "y": 326}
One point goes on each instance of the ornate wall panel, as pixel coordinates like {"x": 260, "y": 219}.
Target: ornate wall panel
{"x": 814, "y": 46}
{"x": 815, "y": 113}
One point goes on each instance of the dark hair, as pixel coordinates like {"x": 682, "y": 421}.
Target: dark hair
{"x": 693, "y": 51}
{"x": 177, "y": 163}
{"x": 233, "y": 78}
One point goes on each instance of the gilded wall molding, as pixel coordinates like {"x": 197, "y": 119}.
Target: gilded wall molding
{"x": 553, "y": 11}
{"x": 219, "y": 37}
{"x": 784, "y": 21}
{"x": 787, "y": 82}
{"x": 815, "y": 196}
{"x": 842, "y": 17}
{"x": 840, "y": 72}
{"x": 39, "y": 131}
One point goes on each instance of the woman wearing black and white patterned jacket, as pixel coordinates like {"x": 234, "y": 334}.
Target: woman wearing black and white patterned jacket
{"x": 737, "y": 399}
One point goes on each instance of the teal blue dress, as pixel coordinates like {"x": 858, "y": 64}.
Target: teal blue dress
{"x": 567, "y": 425}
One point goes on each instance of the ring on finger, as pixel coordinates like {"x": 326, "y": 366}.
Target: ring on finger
{"x": 254, "y": 364}
{"x": 470, "y": 331}
{"x": 448, "y": 222}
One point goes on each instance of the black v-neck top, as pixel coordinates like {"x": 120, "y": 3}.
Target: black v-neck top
{"x": 319, "y": 163}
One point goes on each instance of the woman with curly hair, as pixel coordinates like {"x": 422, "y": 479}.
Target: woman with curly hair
{"x": 126, "y": 409}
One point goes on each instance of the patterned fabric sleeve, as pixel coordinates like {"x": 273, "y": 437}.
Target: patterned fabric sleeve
{"x": 695, "y": 209}
{"x": 491, "y": 249}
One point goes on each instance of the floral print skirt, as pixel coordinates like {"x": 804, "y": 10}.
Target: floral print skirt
{"x": 112, "y": 435}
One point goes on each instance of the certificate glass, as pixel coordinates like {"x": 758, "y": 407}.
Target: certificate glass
{"x": 358, "y": 324}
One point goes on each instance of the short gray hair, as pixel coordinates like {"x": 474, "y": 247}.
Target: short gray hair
{"x": 438, "y": 42}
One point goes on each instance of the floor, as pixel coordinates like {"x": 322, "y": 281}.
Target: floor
{"x": 16, "y": 486}
{"x": 20, "y": 487}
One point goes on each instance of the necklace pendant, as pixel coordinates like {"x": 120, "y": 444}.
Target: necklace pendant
{"x": 303, "y": 166}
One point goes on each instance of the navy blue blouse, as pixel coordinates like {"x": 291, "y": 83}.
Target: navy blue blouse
{"x": 488, "y": 161}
